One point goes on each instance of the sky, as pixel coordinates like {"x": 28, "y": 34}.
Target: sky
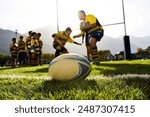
{"x": 25, "y": 15}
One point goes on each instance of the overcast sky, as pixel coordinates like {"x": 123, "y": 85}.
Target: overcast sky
{"x": 27, "y": 15}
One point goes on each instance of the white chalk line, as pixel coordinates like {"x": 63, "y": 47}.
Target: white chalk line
{"x": 90, "y": 77}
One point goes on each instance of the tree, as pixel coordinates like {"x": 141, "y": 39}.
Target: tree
{"x": 105, "y": 55}
{"x": 139, "y": 50}
{"x": 148, "y": 50}
{"x": 46, "y": 57}
{"x": 4, "y": 59}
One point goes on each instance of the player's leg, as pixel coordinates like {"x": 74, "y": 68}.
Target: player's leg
{"x": 40, "y": 57}
{"x": 63, "y": 50}
{"x": 94, "y": 50}
{"x": 58, "y": 48}
{"x": 95, "y": 37}
{"x": 12, "y": 61}
{"x": 33, "y": 59}
{"x": 36, "y": 59}
{"x": 88, "y": 49}
{"x": 24, "y": 58}
{"x": 57, "y": 53}
{"x": 28, "y": 57}
{"x": 19, "y": 58}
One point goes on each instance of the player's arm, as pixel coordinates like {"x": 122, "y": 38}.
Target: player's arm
{"x": 78, "y": 35}
{"x": 72, "y": 41}
{"x": 87, "y": 27}
{"x": 26, "y": 41}
{"x": 55, "y": 36}
{"x": 10, "y": 47}
{"x": 77, "y": 43}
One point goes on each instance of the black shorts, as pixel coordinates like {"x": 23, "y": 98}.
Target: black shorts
{"x": 13, "y": 56}
{"x": 61, "y": 49}
{"x": 28, "y": 52}
{"x": 55, "y": 45}
{"x": 87, "y": 39}
{"x": 22, "y": 55}
{"x": 97, "y": 35}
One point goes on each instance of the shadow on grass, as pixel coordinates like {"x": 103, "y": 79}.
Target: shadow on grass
{"x": 122, "y": 69}
{"x": 131, "y": 88}
{"x": 6, "y": 68}
{"x": 39, "y": 70}
{"x": 56, "y": 86}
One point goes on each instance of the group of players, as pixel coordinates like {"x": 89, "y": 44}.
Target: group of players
{"x": 26, "y": 52}
{"x": 30, "y": 52}
{"x": 90, "y": 28}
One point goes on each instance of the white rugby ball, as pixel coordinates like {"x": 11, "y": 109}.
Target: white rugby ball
{"x": 69, "y": 66}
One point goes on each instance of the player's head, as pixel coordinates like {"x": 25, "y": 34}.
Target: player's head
{"x": 81, "y": 15}
{"x": 34, "y": 35}
{"x": 21, "y": 38}
{"x": 14, "y": 40}
{"x": 30, "y": 32}
{"x": 38, "y": 35}
{"x": 68, "y": 31}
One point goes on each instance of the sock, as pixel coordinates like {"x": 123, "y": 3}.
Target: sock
{"x": 95, "y": 54}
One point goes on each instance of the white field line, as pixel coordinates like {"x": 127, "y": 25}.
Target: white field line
{"x": 90, "y": 77}
{"x": 121, "y": 76}
{"x": 24, "y": 76}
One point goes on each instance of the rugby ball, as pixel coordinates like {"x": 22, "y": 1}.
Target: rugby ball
{"x": 83, "y": 24}
{"x": 69, "y": 67}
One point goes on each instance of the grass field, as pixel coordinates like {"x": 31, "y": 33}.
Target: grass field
{"x": 118, "y": 80}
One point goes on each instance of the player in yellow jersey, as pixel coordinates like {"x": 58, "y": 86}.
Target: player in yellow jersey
{"x": 60, "y": 40}
{"x": 32, "y": 48}
{"x": 28, "y": 46}
{"x": 38, "y": 49}
{"x": 22, "y": 52}
{"x": 14, "y": 52}
{"x": 95, "y": 32}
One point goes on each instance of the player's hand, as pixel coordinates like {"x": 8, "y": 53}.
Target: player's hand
{"x": 83, "y": 28}
{"x": 79, "y": 43}
{"x": 75, "y": 36}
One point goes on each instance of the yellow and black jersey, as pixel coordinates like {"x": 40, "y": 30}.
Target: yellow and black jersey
{"x": 13, "y": 49}
{"x": 61, "y": 38}
{"x": 91, "y": 19}
{"x": 32, "y": 42}
{"x": 21, "y": 46}
{"x": 38, "y": 47}
{"x": 28, "y": 43}
{"x": 32, "y": 46}
{"x": 40, "y": 43}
